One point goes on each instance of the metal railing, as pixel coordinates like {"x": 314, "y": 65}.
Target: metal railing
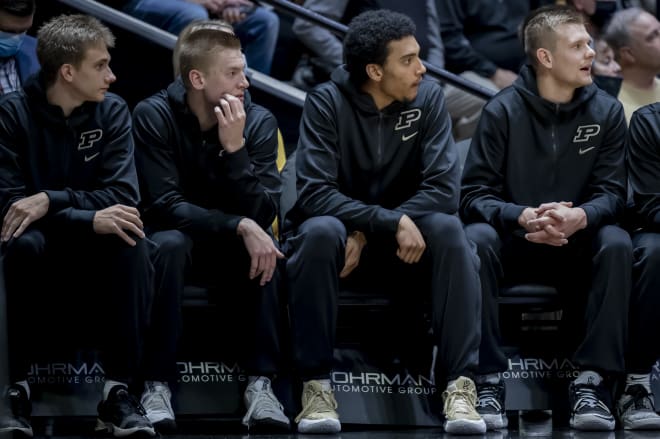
{"x": 340, "y": 30}
{"x": 264, "y": 82}
{"x": 165, "y": 39}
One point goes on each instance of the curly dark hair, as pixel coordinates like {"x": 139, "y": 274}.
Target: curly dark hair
{"x": 368, "y": 37}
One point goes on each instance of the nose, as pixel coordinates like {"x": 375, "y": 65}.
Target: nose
{"x": 422, "y": 67}
{"x": 591, "y": 53}
{"x": 110, "y": 77}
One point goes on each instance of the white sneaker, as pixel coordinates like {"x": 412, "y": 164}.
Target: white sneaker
{"x": 461, "y": 415}
{"x": 636, "y": 410}
{"x": 156, "y": 400}
{"x": 263, "y": 408}
{"x": 318, "y": 413}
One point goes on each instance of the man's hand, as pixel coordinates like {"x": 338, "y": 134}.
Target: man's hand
{"x": 213, "y": 6}
{"x": 503, "y": 78}
{"x": 231, "y": 122}
{"x": 22, "y": 213}
{"x": 541, "y": 230}
{"x": 410, "y": 240}
{"x": 117, "y": 220}
{"x": 568, "y": 219}
{"x": 261, "y": 248}
{"x": 354, "y": 245}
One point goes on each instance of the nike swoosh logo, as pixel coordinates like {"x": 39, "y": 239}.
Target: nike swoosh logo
{"x": 408, "y": 137}
{"x": 91, "y": 157}
{"x": 585, "y": 150}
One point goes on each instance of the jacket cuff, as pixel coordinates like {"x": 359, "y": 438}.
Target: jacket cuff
{"x": 510, "y": 214}
{"x": 592, "y": 215}
{"x": 58, "y": 200}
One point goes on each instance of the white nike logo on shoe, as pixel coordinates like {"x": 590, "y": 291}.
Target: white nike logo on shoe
{"x": 586, "y": 150}
{"x": 91, "y": 157}
{"x": 408, "y": 137}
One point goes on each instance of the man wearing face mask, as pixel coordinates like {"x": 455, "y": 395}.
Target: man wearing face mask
{"x": 18, "y": 57}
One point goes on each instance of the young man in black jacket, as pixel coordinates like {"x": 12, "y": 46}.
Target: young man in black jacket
{"x": 636, "y": 408}
{"x": 543, "y": 186}
{"x": 206, "y": 156}
{"x": 68, "y": 197}
{"x": 378, "y": 187}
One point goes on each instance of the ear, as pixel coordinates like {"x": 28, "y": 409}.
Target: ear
{"x": 626, "y": 55}
{"x": 374, "y": 71}
{"x": 197, "y": 79}
{"x": 67, "y": 72}
{"x": 544, "y": 57}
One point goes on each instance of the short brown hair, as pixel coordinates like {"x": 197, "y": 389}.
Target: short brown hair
{"x": 65, "y": 40}
{"x": 194, "y": 27}
{"x": 539, "y": 29}
{"x": 202, "y": 39}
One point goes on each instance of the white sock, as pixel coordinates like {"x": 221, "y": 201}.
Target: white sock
{"x": 325, "y": 384}
{"x": 25, "y": 385}
{"x": 639, "y": 378}
{"x": 109, "y": 384}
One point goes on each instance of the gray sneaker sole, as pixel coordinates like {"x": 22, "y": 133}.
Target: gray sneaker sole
{"x": 642, "y": 424}
{"x": 495, "y": 422}
{"x": 27, "y": 431}
{"x": 592, "y": 423}
{"x": 122, "y": 432}
{"x": 465, "y": 426}
{"x": 319, "y": 426}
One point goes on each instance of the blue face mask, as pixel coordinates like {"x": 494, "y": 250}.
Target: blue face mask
{"x": 10, "y": 43}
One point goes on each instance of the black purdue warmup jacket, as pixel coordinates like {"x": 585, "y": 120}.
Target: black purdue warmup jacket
{"x": 368, "y": 167}
{"x": 187, "y": 184}
{"x": 527, "y": 151}
{"x": 84, "y": 163}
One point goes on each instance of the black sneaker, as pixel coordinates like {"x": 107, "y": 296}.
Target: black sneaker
{"x": 15, "y": 411}
{"x": 490, "y": 405}
{"x": 588, "y": 411}
{"x": 122, "y": 415}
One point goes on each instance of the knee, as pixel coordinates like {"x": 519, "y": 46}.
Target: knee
{"x": 615, "y": 242}
{"x": 323, "y": 235}
{"x": 30, "y": 244}
{"x": 484, "y": 236}
{"x": 265, "y": 21}
{"x": 170, "y": 247}
{"x": 647, "y": 252}
{"x": 443, "y": 229}
{"x": 191, "y": 12}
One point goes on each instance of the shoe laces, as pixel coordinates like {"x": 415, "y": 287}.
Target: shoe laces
{"x": 318, "y": 401}
{"x": 157, "y": 398}
{"x": 641, "y": 400}
{"x": 264, "y": 399}
{"x": 129, "y": 403}
{"x": 458, "y": 401}
{"x": 588, "y": 397}
{"x": 488, "y": 396}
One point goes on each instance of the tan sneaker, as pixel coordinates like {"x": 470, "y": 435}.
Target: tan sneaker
{"x": 461, "y": 416}
{"x": 318, "y": 413}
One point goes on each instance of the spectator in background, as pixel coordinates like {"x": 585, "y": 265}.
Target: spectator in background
{"x": 481, "y": 39}
{"x": 604, "y": 62}
{"x": 256, "y": 26}
{"x": 634, "y": 36}
{"x": 18, "y": 55}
